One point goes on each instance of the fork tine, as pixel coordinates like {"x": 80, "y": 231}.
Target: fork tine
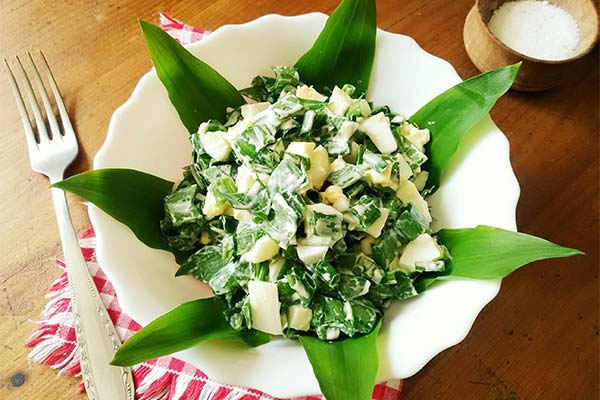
{"x": 29, "y": 135}
{"x": 62, "y": 110}
{"x": 35, "y": 108}
{"x": 44, "y": 95}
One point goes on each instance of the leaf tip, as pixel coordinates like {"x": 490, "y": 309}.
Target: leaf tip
{"x": 118, "y": 362}
{"x": 146, "y": 27}
{"x": 143, "y": 23}
{"x": 516, "y": 67}
{"x": 57, "y": 185}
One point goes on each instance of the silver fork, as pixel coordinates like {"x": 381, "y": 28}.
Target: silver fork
{"x": 50, "y": 154}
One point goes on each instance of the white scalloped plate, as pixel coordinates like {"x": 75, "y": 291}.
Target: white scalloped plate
{"x": 145, "y": 134}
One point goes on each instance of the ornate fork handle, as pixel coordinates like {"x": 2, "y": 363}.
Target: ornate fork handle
{"x": 96, "y": 335}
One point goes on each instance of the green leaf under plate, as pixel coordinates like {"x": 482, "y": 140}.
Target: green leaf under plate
{"x": 132, "y": 197}
{"x": 196, "y": 90}
{"x": 181, "y": 328}
{"x": 189, "y": 324}
{"x": 344, "y": 51}
{"x": 345, "y": 369}
{"x": 486, "y": 252}
{"x": 450, "y": 115}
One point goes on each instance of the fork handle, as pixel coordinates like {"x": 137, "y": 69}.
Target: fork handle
{"x": 97, "y": 337}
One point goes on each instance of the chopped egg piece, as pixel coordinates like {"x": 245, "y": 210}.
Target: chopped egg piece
{"x": 408, "y": 193}
{"x": 211, "y": 207}
{"x": 418, "y": 137}
{"x": 299, "y": 317}
{"x": 215, "y": 145}
{"x": 422, "y": 250}
{"x": 264, "y": 249}
{"x": 375, "y": 229}
{"x": 319, "y": 167}
{"x": 242, "y": 215}
{"x": 275, "y": 267}
{"x": 421, "y": 180}
{"x": 311, "y": 254}
{"x": 249, "y": 111}
{"x": 245, "y": 179}
{"x": 264, "y": 307}
{"x": 339, "y": 102}
{"x": 377, "y": 128}
{"x": 303, "y": 149}
{"x": 309, "y": 93}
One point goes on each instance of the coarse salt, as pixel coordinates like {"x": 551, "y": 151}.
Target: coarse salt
{"x": 536, "y": 29}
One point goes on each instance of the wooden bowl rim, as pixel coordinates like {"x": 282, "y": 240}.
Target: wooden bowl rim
{"x": 525, "y": 57}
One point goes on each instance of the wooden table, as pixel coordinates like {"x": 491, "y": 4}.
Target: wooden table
{"x": 537, "y": 340}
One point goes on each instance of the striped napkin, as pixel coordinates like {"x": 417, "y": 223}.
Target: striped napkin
{"x": 53, "y": 342}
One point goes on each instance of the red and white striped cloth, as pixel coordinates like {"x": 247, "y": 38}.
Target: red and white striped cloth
{"x": 53, "y": 342}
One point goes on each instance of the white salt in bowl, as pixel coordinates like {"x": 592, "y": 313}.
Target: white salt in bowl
{"x": 488, "y": 52}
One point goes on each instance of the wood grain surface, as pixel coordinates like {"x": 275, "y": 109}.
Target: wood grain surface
{"x": 537, "y": 340}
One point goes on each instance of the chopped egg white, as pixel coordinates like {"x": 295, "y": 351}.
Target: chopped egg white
{"x": 337, "y": 164}
{"x": 408, "y": 193}
{"x": 264, "y": 249}
{"x": 275, "y": 267}
{"x": 383, "y": 178}
{"x": 249, "y": 111}
{"x": 299, "y": 317}
{"x": 365, "y": 108}
{"x": 339, "y": 102}
{"x": 309, "y": 93}
{"x": 404, "y": 169}
{"x": 422, "y": 250}
{"x": 319, "y": 161}
{"x": 335, "y": 196}
{"x": 418, "y": 137}
{"x": 348, "y": 128}
{"x": 215, "y": 145}
{"x": 421, "y": 180}
{"x": 311, "y": 254}
{"x": 245, "y": 179}
{"x": 303, "y": 149}
{"x": 211, "y": 207}
{"x": 375, "y": 229}
{"x": 319, "y": 167}
{"x": 242, "y": 215}
{"x": 377, "y": 128}
{"x": 264, "y": 307}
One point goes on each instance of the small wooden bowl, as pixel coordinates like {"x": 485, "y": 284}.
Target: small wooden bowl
{"x": 488, "y": 52}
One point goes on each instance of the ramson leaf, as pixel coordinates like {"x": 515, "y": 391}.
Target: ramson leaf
{"x": 450, "y": 115}
{"x": 486, "y": 252}
{"x": 197, "y": 91}
{"x": 345, "y": 369}
{"x": 204, "y": 263}
{"x": 187, "y": 325}
{"x": 181, "y": 207}
{"x": 344, "y": 51}
{"x": 133, "y": 198}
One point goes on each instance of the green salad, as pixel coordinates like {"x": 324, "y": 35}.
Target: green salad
{"x": 305, "y": 212}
